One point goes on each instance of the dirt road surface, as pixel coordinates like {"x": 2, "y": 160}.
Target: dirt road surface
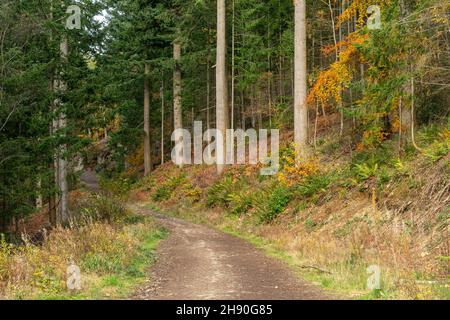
{"x": 198, "y": 263}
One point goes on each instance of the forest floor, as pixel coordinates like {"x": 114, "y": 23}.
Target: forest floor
{"x": 197, "y": 262}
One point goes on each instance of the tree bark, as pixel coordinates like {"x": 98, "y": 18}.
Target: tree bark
{"x": 233, "y": 68}
{"x": 61, "y": 163}
{"x": 208, "y": 94}
{"x": 177, "y": 107}
{"x": 52, "y": 212}
{"x": 221, "y": 87}
{"x": 162, "y": 119}
{"x": 300, "y": 82}
{"x": 147, "y": 147}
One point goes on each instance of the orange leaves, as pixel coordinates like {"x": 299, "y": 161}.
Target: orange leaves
{"x": 331, "y": 82}
{"x": 328, "y": 85}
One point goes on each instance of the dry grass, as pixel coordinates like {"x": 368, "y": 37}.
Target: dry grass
{"x": 100, "y": 249}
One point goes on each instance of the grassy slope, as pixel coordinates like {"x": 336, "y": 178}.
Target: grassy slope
{"x": 357, "y": 210}
{"x": 119, "y": 284}
{"x": 113, "y": 256}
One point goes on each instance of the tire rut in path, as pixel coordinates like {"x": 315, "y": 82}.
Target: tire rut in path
{"x": 198, "y": 263}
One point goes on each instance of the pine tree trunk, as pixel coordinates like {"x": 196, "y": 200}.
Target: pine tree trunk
{"x": 147, "y": 147}
{"x": 52, "y": 197}
{"x": 63, "y": 214}
{"x": 208, "y": 94}
{"x": 221, "y": 87}
{"x": 39, "y": 199}
{"x": 300, "y": 83}
{"x": 177, "y": 107}
{"x": 162, "y": 119}
{"x": 233, "y": 68}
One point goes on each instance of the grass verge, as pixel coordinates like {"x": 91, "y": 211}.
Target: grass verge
{"x": 113, "y": 258}
{"x": 346, "y": 278}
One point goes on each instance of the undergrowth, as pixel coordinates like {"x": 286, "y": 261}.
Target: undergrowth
{"x": 338, "y": 217}
{"x": 112, "y": 247}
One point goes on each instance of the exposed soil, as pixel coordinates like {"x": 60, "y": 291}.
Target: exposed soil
{"x": 197, "y": 263}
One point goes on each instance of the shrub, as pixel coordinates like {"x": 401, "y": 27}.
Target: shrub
{"x": 117, "y": 186}
{"x": 292, "y": 171}
{"x": 440, "y": 147}
{"x": 30, "y": 271}
{"x": 313, "y": 185}
{"x": 273, "y": 204}
{"x": 194, "y": 194}
{"x": 218, "y": 193}
{"x": 240, "y": 202}
{"x": 99, "y": 207}
{"x": 374, "y": 164}
{"x": 5, "y": 253}
{"x": 365, "y": 171}
{"x": 165, "y": 191}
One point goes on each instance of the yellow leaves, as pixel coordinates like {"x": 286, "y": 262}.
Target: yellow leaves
{"x": 294, "y": 171}
{"x": 446, "y": 135}
{"x": 358, "y": 8}
{"x": 294, "y": 174}
{"x": 327, "y": 86}
{"x": 372, "y": 138}
{"x": 193, "y": 193}
{"x": 331, "y": 82}
{"x": 396, "y": 124}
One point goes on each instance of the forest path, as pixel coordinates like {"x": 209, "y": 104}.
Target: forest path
{"x": 197, "y": 262}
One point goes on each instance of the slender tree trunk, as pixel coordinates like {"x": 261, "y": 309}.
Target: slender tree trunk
{"x": 52, "y": 211}
{"x": 259, "y": 110}
{"x": 233, "y": 68}
{"x": 147, "y": 147}
{"x": 63, "y": 214}
{"x": 280, "y": 71}
{"x": 208, "y": 94}
{"x": 300, "y": 82}
{"x": 177, "y": 107}
{"x": 162, "y": 119}
{"x": 252, "y": 107}
{"x": 341, "y": 105}
{"x": 221, "y": 86}
{"x": 243, "y": 117}
{"x": 412, "y": 121}
{"x": 269, "y": 75}
{"x": 333, "y": 26}
{"x": 39, "y": 200}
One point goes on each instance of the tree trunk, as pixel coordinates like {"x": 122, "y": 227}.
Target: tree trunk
{"x": 208, "y": 94}
{"x": 39, "y": 199}
{"x": 177, "y": 107}
{"x": 221, "y": 86}
{"x": 162, "y": 119}
{"x": 233, "y": 68}
{"x": 300, "y": 83}
{"x": 147, "y": 147}
{"x": 52, "y": 127}
{"x": 63, "y": 214}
